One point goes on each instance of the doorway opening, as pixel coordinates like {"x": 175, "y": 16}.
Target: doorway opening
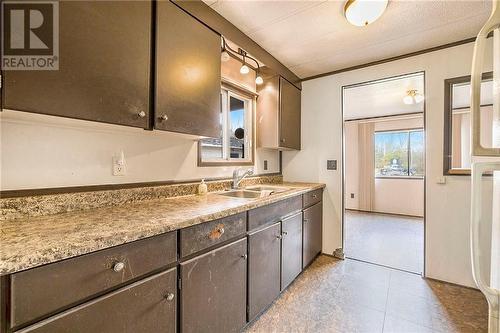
{"x": 384, "y": 172}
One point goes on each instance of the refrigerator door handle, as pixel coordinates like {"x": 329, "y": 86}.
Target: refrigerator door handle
{"x": 492, "y": 295}
{"x": 492, "y": 24}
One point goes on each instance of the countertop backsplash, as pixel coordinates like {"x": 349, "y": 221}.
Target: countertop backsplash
{"x": 40, "y": 205}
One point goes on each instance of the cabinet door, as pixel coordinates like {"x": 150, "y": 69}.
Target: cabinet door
{"x": 263, "y": 269}
{"x": 289, "y": 115}
{"x": 104, "y": 66}
{"x": 313, "y": 217}
{"x": 145, "y": 306}
{"x": 291, "y": 249}
{"x": 213, "y": 290}
{"x": 188, "y": 74}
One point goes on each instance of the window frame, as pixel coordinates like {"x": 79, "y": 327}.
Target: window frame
{"x": 228, "y": 91}
{"x": 403, "y": 130}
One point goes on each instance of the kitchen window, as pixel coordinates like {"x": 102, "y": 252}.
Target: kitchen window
{"x": 234, "y": 146}
{"x": 399, "y": 154}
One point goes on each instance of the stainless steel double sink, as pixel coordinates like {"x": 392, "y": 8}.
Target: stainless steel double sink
{"x": 254, "y": 192}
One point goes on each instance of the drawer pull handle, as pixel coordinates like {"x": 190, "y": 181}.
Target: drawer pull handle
{"x": 169, "y": 297}
{"x": 118, "y": 267}
{"x": 245, "y": 256}
{"x": 306, "y": 220}
{"x": 217, "y": 232}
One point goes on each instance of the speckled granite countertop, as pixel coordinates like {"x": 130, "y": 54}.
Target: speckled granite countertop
{"x": 30, "y": 242}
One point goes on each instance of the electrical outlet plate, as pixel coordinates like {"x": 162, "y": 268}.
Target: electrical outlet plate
{"x": 118, "y": 168}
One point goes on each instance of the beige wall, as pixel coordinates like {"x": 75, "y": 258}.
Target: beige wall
{"x": 447, "y": 205}
{"x": 40, "y": 151}
{"x": 396, "y": 196}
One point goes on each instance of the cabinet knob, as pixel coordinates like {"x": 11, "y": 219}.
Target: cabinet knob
{"x": 284, "y": 233}
{"x": 314, "y": 196}
{"x": 164, "y": 117}
{"x": 142, "y": 114}
{"x": 279, "y": 237}
{"x": 217, "y": 232}
{"x": 306, "y": 220}
{"x": 169, "y": 297}
{"x": 245, "y": 256}
{"x": 119, "y": 266}
{"x": 282, "y": 140}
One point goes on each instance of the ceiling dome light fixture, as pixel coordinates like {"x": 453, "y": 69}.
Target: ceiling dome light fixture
{"x": 363, "y": 12}
{"x": 413, "y": 97}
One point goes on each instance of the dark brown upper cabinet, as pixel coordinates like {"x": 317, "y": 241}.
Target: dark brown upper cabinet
{"x": 278, "y": 114}
{"x": 188, "y": 74}
{"x": 104, "y": 66}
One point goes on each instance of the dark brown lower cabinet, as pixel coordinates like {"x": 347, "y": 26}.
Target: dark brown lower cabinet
{"x": 145, "y": 306}
{"x": 291, "y": 249}
{"x": 263, "y": 268}
{"x": 213, "y": 290}
{"x": 312, "y": 233}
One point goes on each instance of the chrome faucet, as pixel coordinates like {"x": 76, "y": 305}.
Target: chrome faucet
{"x": 238, "y": 176}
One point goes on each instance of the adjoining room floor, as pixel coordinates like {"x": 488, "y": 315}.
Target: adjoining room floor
{"x": 389, "y": 240}
{"x": 351, "y": 296}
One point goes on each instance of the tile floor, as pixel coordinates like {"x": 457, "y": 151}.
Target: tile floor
{"x": 351, "y": 296}
{"x": 389, "y": 240}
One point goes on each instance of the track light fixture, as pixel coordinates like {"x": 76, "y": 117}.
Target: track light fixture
{"x": 241, "y": 55}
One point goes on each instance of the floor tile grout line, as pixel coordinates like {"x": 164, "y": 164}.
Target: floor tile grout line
{"x": 385, "y": 266}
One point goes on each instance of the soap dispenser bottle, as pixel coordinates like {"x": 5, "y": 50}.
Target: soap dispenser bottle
{"x": 202, "y": 188}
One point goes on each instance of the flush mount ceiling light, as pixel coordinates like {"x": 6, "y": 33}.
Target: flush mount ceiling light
{"x": 241, "y": 55}
{"x": 363, "y": 12}
{"x": 413, "y": 97}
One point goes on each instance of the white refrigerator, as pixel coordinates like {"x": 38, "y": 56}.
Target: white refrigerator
{"x": 485, "y": 191}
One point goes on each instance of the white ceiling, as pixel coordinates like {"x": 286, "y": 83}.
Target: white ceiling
{"x": 382, "y": 98}
{"x": 313, "y": 37}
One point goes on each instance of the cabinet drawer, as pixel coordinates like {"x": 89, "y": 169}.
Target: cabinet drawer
{"x": 145, "y": 306}
{"x": 274, "y": 212}
{"x": 310, "y": 198}
{"x": 202, "y": 236}
{"x": 44, "y": 290}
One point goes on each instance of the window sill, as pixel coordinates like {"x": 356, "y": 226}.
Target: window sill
{"x": 224, "y": 163}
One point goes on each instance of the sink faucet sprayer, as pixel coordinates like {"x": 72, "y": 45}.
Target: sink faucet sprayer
{"x": 239, "y": 174}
